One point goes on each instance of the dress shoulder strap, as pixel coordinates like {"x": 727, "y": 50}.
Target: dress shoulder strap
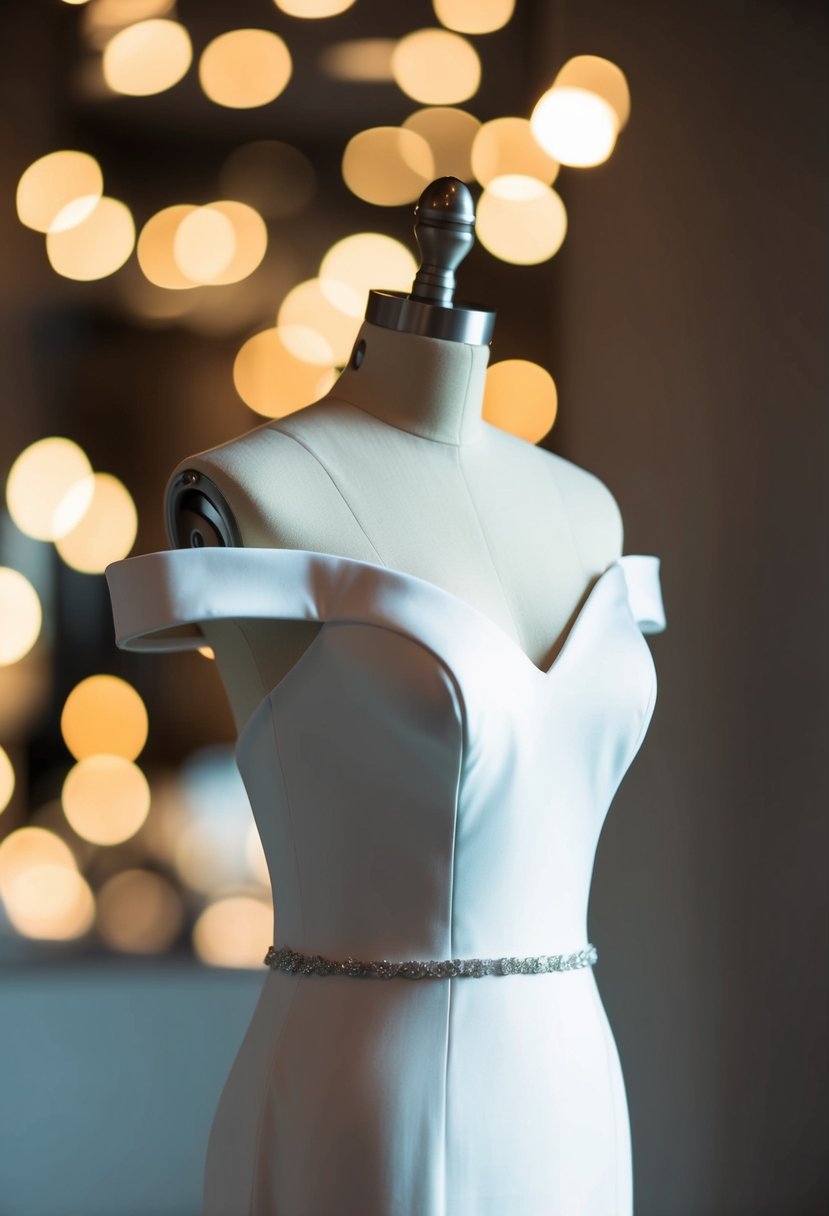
{"x": 644, "y": 591}
{"x": 159, "y": 599}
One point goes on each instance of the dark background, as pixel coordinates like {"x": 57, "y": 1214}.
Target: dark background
{"x": 684, "y": 322}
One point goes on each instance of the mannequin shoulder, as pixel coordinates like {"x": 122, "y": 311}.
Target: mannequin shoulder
{"x": 594, "y": 513}
{"x": 592, "y": 510}
{"x": 253, "y": 490}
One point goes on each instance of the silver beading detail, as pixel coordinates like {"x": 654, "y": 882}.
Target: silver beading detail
{"x": 292, "y": 962}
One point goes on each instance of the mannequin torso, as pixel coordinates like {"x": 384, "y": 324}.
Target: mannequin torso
{"x": 396, "y": 467}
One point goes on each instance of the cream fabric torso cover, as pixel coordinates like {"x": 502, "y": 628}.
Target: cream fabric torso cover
{"x": 424, "y": 791}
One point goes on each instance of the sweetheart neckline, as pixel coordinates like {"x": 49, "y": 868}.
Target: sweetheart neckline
{"x": 318, "y": 556}
{"x": 486, "y": 622}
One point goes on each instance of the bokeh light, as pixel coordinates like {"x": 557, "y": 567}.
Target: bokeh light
{"x": 50, "y": 903}
{"x": 234, "y": 932}
{"x": 49, "y": 487}
{"x": 103, "y": 18}
{"x": 147, "y": 57}
{"x": 53, "y": 182}
{"x": 105, "y": 799}
{"x": 369, "y": 259}
{"x": 139, "y": 912}
{"x": 250, "y": 235}
{"x": 313, "y": 9}
{"x": 507, "y": 146}
{"x": 7, "y": 780}
{"x": 333, "y": 309}
{"x": 520, "y": 220}
{"x": 204, "y": 244}
{"x": 576, "y": 127}
{"x": 388, "y": 166}
{"x": 155, "y": 248}
{"x": 274, "y": 177}
{"x": 104, "y": 714}
{"x": 599, "y": 76}
{"x": 283, "y": 369}
{"x": 245, "y": 68}
{"x": 450, "y": 133}
{"x": 436, "y": 67}
{"x": 367, "y": 60}
{"x": 107, "y": 530}
{"x": 20, "y": 616}
{"x": 520, "y": 397}
{"x": 27, "y": 847}
{"x": 474, "y": 16}
{"x": 96, "y": 247}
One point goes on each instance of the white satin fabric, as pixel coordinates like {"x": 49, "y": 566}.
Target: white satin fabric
{"x": 423, "y": 791}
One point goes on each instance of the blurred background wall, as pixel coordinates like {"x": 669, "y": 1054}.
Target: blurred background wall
{"x": 684, "y": 322}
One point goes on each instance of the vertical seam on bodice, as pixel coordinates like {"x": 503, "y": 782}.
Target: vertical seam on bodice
{"x": 464, "y": 723}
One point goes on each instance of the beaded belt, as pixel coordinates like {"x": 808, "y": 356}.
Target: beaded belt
{"x": 294, "y": 963}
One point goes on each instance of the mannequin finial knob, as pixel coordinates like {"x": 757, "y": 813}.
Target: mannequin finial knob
{"x": 445, "y": 232}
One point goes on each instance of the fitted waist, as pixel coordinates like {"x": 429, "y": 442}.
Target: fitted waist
{"x": 294, "y": 962}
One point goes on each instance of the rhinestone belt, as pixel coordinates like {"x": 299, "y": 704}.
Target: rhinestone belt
{"x": 294, "y": 963}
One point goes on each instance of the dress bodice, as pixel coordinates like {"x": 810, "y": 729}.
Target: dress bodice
{"x": 421, "y": 787}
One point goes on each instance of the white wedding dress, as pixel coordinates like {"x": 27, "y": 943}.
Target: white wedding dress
{"x": 423, "y": 791}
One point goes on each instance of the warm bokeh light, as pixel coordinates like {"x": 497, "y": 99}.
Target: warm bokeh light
{"x": 250, "y": 240}
{"x": 333, "y": 309}
{"x": 388, "y": 166}
{"x": 283, "y": 369}
{"x": 273, "y": 177}
{"x": 474, "y": 16}
{"x": 450, "y": 134}
{"x": 369, "y": 259}
{"x": 105, "y": 799}
{"x": 50, "y": 903}
{"x": 107, "y": 531}
{"x": 103, "y": 18}
{"x": 95, "y": 248}
{"x": 313, "y": 8}
{"x": 147, "y": 57}
{"x": 20, "y": 616}
{"x": 52, "y": 183}
{"x": 245, "y": 68}
{"x": 27, "y": 847}
{"x": 234, "y": 932}
{"x": 41, "y": 488}
{"x": 367, "y": 60}
{"x": 436, "y": 67}
{"x": 7, "y": 781}
{"x": 207, "y": 651}
{"x": 507, "y": 146}
{"x": 204, "y": 244}
{"x": 576, "y": 127}
{"x": 599, "y": 76}
{"x": 155, "y": 248}
{"x": 520, "y": 397}
{"x": 139, "y": 912}
{"x": 104, "y": 714}
{"x": 520, "y": 220}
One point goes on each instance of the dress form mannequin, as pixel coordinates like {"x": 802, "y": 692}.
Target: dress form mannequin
{"x": 429, "y": 783}
{"x": 395, "y": 466}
